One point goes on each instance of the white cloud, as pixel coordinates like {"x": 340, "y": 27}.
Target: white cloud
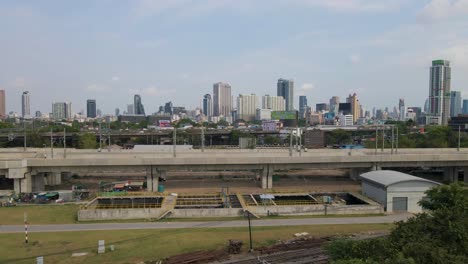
{"x": 442, "y": 9}
{"x": 353, "y": 5}
{"x": 115, "y": 78}
{"x": 18, "y": 82}
{"x": 152, "y": 91}
{"x": 98, "y": 88}
{"x": 354, "y": 58}
{"x": 306, "y": 88}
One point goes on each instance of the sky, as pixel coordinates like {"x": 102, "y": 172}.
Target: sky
{"x": 176, "y": 49}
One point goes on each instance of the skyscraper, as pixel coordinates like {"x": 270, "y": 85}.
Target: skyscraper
{"x": 322, "y": 107}
{"x": 285, "y": 88}
{"x": 355, "y": 106}
{"x": 117, "y": 112}
{"x": 439, "y": 90}
{"x": 207, "y": 105}
{"x": 222, "y": 99}
{"x": 2, "y": 104}
{"x": 334, "y": 104}
{"x": 138, "y": 105}
{"x": 247, "y": 105}
{"x": 61, "y": 110}
{"x": 402, "y": 109}
{"x": 465, "y": 107}
{"x": 169, "y": 108}
{"x": 25, "y": 105}
{"x": 455, "y": 103}
{"x": 91, "y": 108}
{"x": 275, "y": 103}
{"x": 130, "y": 109}
{"x": 302, "y": 106}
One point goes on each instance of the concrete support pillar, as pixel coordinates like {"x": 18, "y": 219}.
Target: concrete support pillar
{"x": 24, "y": 185}
{"x": 152, "y": 179}
{"x": 465, "y": 175}
{"x": 38, "y": 182}
{"x": 354, "y": 174}
{"x": 376, "y": 167}
{"x": 267, "y": 177}
{"x": 451, "y": 174}
{"x": 53, "y": 178}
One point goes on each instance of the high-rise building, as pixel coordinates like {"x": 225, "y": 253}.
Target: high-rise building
{"x": 322, "y": 107}
{"x": 61, "y": 110}
{"x": 345, "y": 108}
{"x": 334, "y": 104}
{"x": 465, "y": 106}
{"x": 25, "y": 105}
{"x": 99, "y": 112}
{"x": 38, "y": 114}
{"x": 2, "y": 105}
{"x": 302, "y": 106}
{"x": 117, "y": 112}
{"x": 130, "y": 109}
{"x": 91, "y": 108}
{"x": 247, "y": 105}
{"x": 138, "y": 105}
{"x": 222, "y": 99}
{"x": 275, "y": 103}
{"x": 207, "y": 105}
{"x": 402, "y": 109}
{"x": 285, "y": 88}
{"x": 355, "y": 106}
{"x": 439, "y": 90}
{"x": 455, "y": 103}
{"x": 169, "y": 108}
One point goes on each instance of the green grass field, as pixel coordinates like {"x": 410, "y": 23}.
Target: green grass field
{"x": 39, "y": 214}
{"x": 133, "y": 246}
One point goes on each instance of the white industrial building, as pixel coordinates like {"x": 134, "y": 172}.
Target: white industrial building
{"x": 396, "y": 191}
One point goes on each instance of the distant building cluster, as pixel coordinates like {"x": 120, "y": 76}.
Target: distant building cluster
{"x": 442, "y": 106}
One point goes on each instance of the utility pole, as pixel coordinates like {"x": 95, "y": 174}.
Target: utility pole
{"x": 108, "y": 136}
{"x": 396, "y": 139}
{"x": 383, "y": 138}
{"x": 376, "y": 138}
{"x": 174, "y": 142}
{"x": 51, "y": 144}
{"x": 393, "y": 137}
{"x": 203, "y": 139}
{"x": 290, "y": 143}
{"x": 250, "y": 232}
{"x": 64, "y": 143}
{"x": 100, "y": 135}
{"x": 24, "y": 134}
{"x": 459, "y": 132}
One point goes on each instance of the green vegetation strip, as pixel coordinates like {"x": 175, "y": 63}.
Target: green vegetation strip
{"x": 133, "y": 246}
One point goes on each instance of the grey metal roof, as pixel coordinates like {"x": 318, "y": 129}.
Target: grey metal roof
{"x": 386, "y": 178}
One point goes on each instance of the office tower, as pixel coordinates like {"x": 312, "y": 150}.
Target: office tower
{"x": 61, "y": 110}
{"x": 91, "y": 108}
{"x": 439, "y": 90}
{"x": 322, "y": 107}
{"x": 275, "y": 103}
{"x": 416, "y": 110}
{"x": 2, "y": 105}
{"x": 169, "y": 108}
{"x": 222, "y": 99}
{"x": 285, "y": 88}
{"x": 38, "y": 114}
{"x": 302, "y": 106}
{"x": 402, "y": 109}
{"x": 355, "y": 106}
{"x": 207, "y": 105}
{"x": 25, "y": 105}
{"x": 465, "y": 107}
{"x": 130, "y": 109}
{"x": 345, "y": 108}
{"x": 117, "y": 112}
{"x": 334, "y": 104}
{"x": 138, "y": 105}
{"x": 247, "y": 105}
{"x": 455, "y": 103}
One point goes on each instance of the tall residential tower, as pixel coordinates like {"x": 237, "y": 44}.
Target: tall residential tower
{"x": 222, "y": 99}
{"x": 25, "y": 105}
{"x": 439, "y": 90}
{"x": 285, "y": 88}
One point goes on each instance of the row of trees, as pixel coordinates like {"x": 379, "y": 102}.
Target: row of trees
{"x": 439, "y": 235}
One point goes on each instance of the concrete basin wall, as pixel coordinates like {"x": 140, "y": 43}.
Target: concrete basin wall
{"x": 316, "y": 209}
{"x": 209, "y": 212}
{"x": 117, "y": 214}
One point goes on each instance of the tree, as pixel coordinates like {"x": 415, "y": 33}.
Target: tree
{"x": 338, "y": 136}
{"x": 34, "y": 139}
{"x": 87, "y": 141}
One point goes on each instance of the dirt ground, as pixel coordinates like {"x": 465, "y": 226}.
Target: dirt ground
{"x": 208, "y": 182}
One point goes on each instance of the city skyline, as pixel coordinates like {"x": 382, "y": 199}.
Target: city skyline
{"x": 129, "y": 55}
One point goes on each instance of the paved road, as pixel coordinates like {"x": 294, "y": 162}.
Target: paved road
{"x": 208, "y": 224}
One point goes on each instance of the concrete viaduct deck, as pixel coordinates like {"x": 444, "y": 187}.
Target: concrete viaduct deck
{"x": 32, "y": 169}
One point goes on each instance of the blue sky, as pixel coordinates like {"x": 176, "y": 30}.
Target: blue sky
{"x": 175, "y": 50}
